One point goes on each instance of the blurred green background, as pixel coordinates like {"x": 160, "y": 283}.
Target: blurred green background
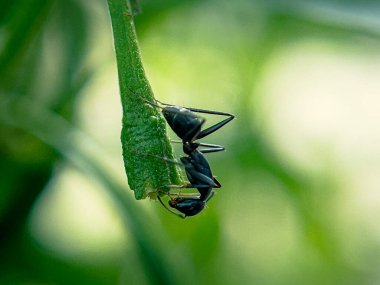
{"x": 301, "y": 184}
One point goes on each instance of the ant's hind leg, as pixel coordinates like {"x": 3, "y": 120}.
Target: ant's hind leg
{"x": 215, "y": 127}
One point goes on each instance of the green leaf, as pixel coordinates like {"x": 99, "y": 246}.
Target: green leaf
{"x": 144, "y": 129}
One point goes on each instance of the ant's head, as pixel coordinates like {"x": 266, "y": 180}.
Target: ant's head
{"x": 188, "y": 206}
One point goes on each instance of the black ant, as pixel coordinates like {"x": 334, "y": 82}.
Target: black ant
{"x": 188, "y": 126}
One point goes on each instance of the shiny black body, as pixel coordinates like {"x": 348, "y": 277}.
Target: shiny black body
{"x": 188, "y": 126}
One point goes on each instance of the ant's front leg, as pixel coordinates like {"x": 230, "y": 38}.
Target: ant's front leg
{"x": 217, "y": 126}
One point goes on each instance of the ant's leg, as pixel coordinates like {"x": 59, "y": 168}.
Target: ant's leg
{"x": 217, "y": 183}
{"x": 211, "y": 147}
{"x": 211, "y": 150}
{"x": 175, "y": 141}
{"x": 162, "y": 103}
{"x": 184, "y": 195}
{"x": 215, "y": 127}
{"x": 189, "y": 185}
{"x": 203, "y": 111}
{"x": 204, "y": 180}
{"x": 209, "y": 197}
{"x": 171, "y": 211}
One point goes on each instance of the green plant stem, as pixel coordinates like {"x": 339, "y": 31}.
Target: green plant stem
{"x": 144, "y": 129}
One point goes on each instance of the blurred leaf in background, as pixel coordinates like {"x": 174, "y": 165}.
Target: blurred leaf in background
{"x": 41, "y": 67}
{"x": 300, "y": 196}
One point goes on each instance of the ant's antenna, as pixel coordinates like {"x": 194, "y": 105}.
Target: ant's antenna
{"x": 146, "y": 101}
{"x": 162, "y": 103}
